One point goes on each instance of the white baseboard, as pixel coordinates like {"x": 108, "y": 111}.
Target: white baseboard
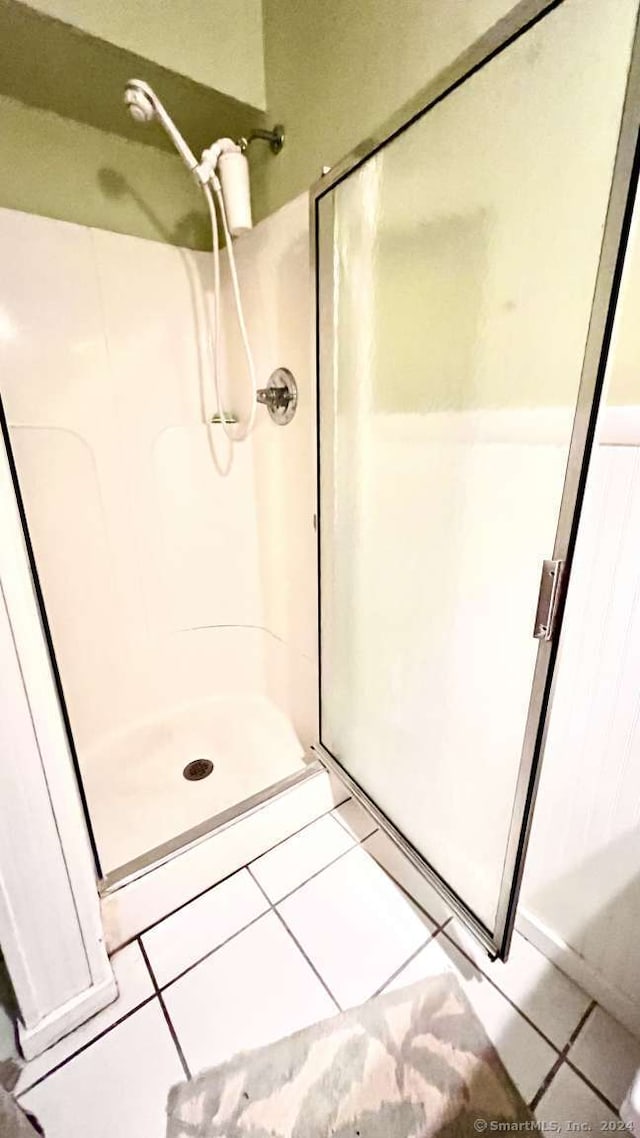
{"x": 622, "y": 1006}
{"x": 34, "y": 1040}
{"x": 133, "y": 907}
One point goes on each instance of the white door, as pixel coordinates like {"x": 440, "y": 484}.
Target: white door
{"x": 467, "y": 268}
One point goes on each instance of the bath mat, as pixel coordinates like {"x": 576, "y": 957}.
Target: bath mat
{"x": 412, "y": 1064}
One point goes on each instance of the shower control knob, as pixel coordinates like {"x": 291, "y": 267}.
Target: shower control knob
{"x": 280, "y": 396}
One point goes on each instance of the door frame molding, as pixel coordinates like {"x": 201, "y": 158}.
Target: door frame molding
{"x": 618, "y": 219}
{"x": 50, "y": 922}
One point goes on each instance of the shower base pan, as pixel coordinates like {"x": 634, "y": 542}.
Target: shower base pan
{"x": 143, "y": 800}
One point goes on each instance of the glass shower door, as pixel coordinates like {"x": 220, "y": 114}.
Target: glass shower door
{"x": 466, "y": 271}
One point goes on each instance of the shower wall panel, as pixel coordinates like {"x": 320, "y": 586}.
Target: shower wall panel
{"x": 166, "y": 582}
{"x": 273, "y": 262}
{"x": 582, "y": 883}
{"x": 581, "y": 893}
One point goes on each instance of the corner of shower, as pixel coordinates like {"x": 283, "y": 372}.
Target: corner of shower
{"x": 152, "y": 607}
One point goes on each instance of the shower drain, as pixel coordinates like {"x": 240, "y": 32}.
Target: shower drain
{"x": 197, "y": 769}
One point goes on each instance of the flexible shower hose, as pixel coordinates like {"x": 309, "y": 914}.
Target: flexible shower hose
{"x": 234, "y": 431}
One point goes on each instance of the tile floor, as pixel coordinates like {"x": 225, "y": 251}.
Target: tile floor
{"x": 311, "y": 927}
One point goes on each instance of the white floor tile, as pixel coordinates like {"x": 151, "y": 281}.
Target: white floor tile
{"x": 134, "y": 987}
{"x": 541, "y": 991}
{"x": 524, "y": 1053}
{"x": 202, "y": 925}
{"x": 253, "y": 990}
{"x": 130, "y": 911}
{"x": 355, "y": 819}
{"x": 117, "y": 1087}
{"x": 392, "y": 859}
{"x": 290, "y": 864}
{"x": 569, "y": 1101}
{"x": 607, "y": 1054}
{"x": 355, "y": 925}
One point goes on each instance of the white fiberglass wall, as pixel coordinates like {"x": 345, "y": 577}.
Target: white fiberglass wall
{"x": 168, "y": 586}
{"x": 581, "y": 891}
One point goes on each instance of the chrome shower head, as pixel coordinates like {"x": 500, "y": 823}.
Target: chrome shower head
{"x": 144, "y": 106}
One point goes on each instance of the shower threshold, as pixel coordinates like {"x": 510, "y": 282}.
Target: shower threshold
{"x": 146, "y": 863}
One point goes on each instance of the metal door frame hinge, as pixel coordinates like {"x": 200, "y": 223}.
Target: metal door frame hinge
{"x": 549, "y": 596}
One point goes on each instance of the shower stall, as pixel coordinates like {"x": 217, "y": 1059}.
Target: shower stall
{"x": 407, "y": 540}
{"x": 157, "y": 534}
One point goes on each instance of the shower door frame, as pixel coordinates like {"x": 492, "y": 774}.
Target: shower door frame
{"x": 622, "y": 197}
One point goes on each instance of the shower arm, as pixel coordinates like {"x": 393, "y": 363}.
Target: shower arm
{"x": 205, "y": 170}
{"x": 274, "y": 137}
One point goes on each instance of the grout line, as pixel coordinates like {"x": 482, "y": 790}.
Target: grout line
{"x": 497, "y": 987}
{"x": 208, "y": 888}
{"x": 564, "y": 1060}
{"x": 172, "y": 1031}
{"x": 607, "y": 1102}
{"x": 576, "y": 1031}
{"x": 84, "y": 1046}
{"x": 201, "y": 959}
{"x": 296, "y": 942}
{"x": 438, "y": 928}
{"x": 572, "y": 1039}
{"x": 174, "y": 1035}
{"x": 117, "y": 1023}
{"x": 270, "y": 906}
{"x": 344, "y": 825}
{"x": 560, "y": 1062}
{"x": 547, "y": 1081}
{"x": 300, "y": 829}
{"x": 413, "y": 955}
{"x": 145, "y": 957}
{"x": 307, "y": 958}
{"x": 311, "y": 877}
{"x": 358, "y": 843}
{"x": 172, "y": 912}
{"x": 561, "y": 1054}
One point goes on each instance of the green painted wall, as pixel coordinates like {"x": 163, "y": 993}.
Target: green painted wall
{"x": 337, "y": 70}
{"x": 71, "y": 151}
{"x": 74, "y": 172}
{"x": 216, "y": 42}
